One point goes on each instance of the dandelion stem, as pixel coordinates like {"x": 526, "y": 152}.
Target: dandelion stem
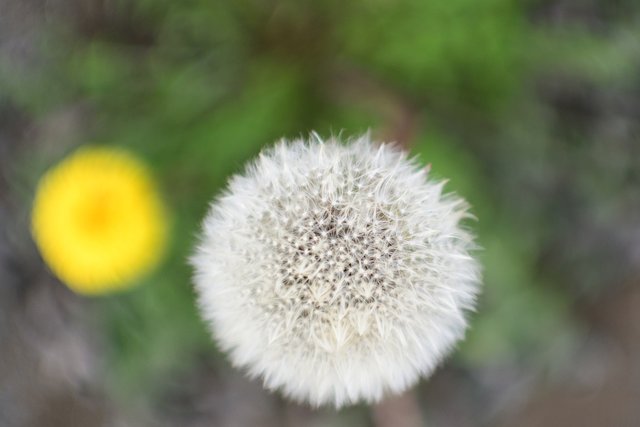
{"x": 398, "y": 411}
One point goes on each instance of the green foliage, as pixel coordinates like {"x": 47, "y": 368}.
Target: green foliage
{"x": 198, "y": 87}
{"x": 609, "y": 60}
{"x": 462, "y": 49}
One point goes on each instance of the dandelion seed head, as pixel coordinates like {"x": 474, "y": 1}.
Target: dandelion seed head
{"x": 336, "y": 272}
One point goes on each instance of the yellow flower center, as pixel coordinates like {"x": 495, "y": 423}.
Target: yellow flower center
{"x": 96, "y": 217}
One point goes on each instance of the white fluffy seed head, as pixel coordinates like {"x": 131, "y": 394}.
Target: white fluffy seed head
{"x": 337, "y": 273}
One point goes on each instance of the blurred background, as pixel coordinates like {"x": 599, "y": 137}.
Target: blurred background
{"x": 531, "y": 108}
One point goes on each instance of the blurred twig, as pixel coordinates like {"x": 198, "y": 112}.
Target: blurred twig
{"x": 399, "y": 115}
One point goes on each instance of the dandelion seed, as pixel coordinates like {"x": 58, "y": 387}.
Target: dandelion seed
{"x": 382, "y": 277}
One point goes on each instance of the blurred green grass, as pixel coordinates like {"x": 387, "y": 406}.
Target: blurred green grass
{"x": 197, "y": 88}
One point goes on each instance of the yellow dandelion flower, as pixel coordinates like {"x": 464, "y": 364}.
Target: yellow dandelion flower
{"x": 98, "y": 220}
